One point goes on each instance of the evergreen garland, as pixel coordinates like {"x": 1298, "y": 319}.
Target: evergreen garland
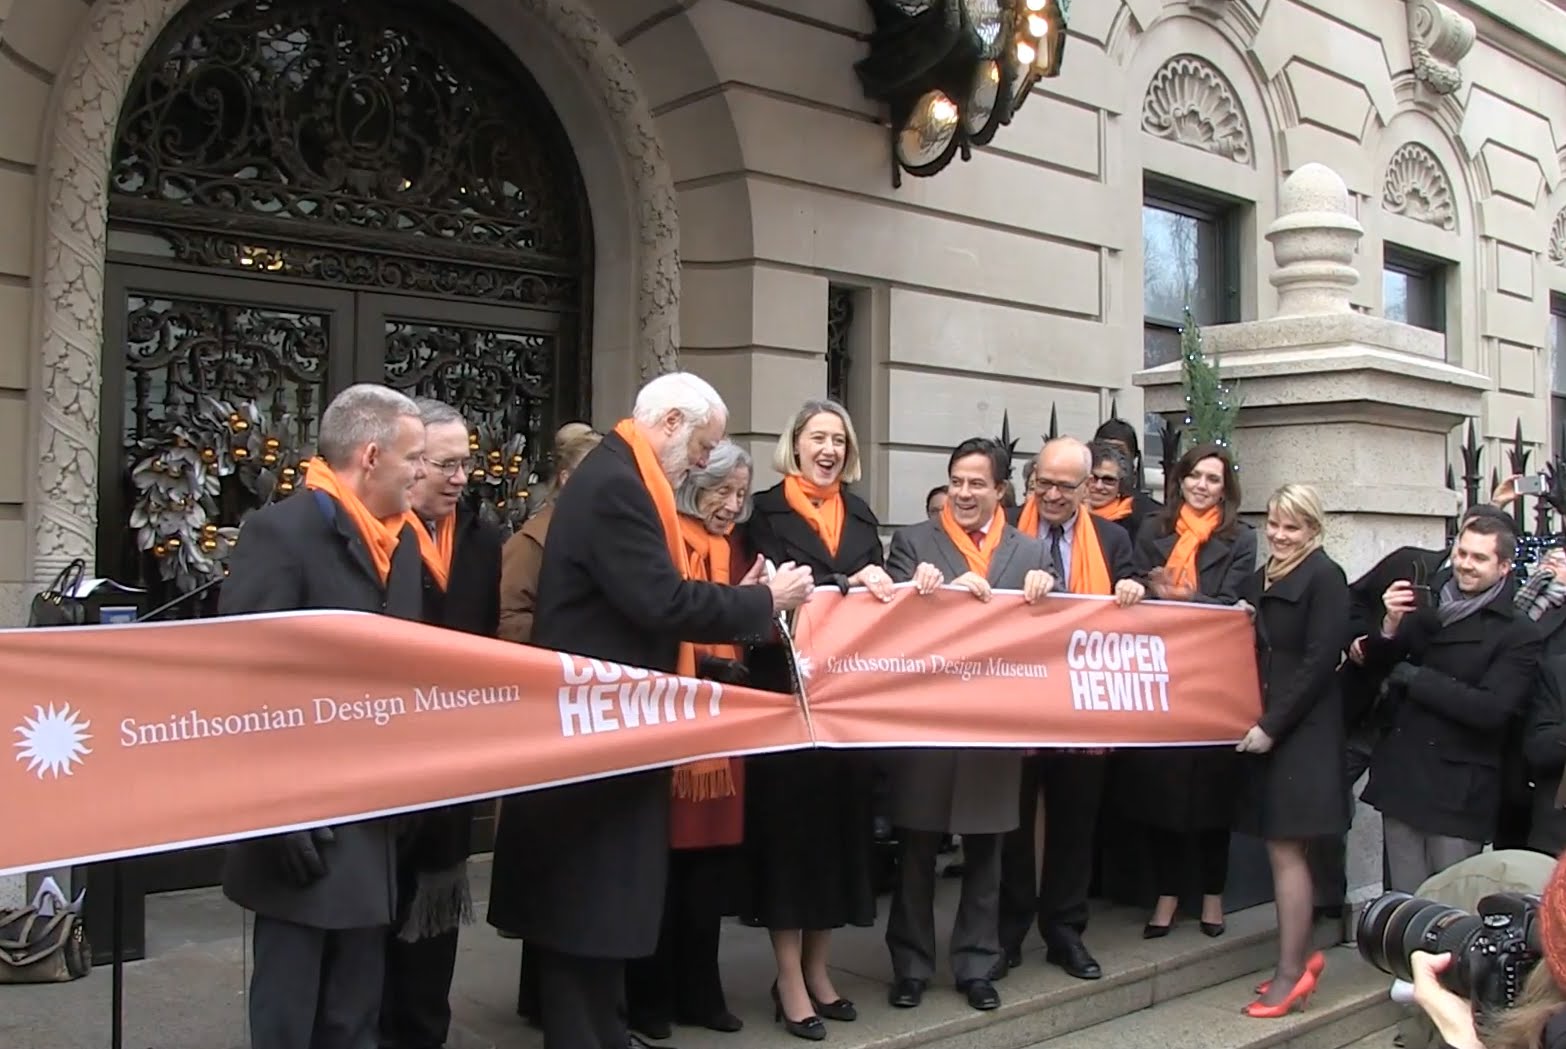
{"x": 1211, "y": 404}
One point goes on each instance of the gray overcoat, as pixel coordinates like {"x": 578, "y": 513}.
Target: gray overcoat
{"x": 958, "y": 791}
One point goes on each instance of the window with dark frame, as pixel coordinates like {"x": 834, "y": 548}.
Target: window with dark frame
{"x": 1557, "y": 369}
{"x": 1190, "y": 257}
{"x": 1413, "y": 288}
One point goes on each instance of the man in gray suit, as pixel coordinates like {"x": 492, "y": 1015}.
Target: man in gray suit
{"x": 973, "y": 792}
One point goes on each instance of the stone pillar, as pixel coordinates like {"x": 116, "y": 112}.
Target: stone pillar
{"x": 1356, "y": 406}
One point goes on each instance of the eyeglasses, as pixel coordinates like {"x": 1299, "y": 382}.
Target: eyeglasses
{"x": 1105, "y": 479}
{"x": 1042, "y": 485}
{"x": 451, "y": 467}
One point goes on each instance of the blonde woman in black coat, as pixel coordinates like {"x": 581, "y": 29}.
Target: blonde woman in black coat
{"x": 1294, "y": 787}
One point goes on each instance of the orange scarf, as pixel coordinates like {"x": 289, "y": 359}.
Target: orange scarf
{"x": 978, "y": 557}
{"x": 662, "y": 493}
{"x": 1193, "y": 528}
{"x": 380, "y": 534}
{"x": 437, "y": 549}
{"x": 1118, "y": 510}
{"x": 1028, "y": 520}
{"x": 826, "y": 520}
{"x": 1089, "y": 571}
{"x": 708, "y": 556}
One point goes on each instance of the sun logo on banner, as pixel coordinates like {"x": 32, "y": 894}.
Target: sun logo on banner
{"x": 53, "y": 741}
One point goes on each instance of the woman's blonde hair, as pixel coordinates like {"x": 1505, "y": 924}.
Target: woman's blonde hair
{"x": 785, "y": 458}
{"x": 1303, "y": 503}
{"x": 1522, "y": 1026}
{"x": 571, "y": 448}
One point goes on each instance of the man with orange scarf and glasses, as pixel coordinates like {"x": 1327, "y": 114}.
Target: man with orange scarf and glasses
{"x": 972, "y": 792}
{"x": 324, "y": 898}
{"x": 461, "y": 555}
{"x": 580, "y": 870}
{"x": 1094, "y": 558}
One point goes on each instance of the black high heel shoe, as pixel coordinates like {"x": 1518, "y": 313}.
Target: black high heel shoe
{"x": 811, "y": 1029}
{"x": 841, "y": 1010}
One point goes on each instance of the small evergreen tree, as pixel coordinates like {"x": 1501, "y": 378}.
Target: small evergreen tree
{"x": 1211, "y": 404}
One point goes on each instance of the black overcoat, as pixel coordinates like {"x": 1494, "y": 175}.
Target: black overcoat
{"x": 1186, "y": 788}
{"x": 1297, "y": 790}
{"x": 1361, "y": 685}
{"x": 581, "y": 869}
{"x": 809, "y": 820}
{"x": 441, "y": 838}
{"x": 1544, "y": 747}
{"x": 304, "y": 553}
{"x": 1438, "y": 766}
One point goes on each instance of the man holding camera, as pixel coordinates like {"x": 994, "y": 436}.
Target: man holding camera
{"x": 1460, "y": 660}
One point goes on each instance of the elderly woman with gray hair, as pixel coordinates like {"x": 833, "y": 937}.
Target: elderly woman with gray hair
{"x": 681, "y": 983}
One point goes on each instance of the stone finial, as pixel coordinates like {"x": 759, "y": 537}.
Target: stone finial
{"x": 1438, "y": 38}
{"x": 1313, "y": 242}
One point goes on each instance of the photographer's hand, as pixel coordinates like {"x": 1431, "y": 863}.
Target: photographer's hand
{"x": 1453, "y": 1017}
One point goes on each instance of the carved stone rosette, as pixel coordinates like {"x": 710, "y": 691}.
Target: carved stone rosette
{"x": 1417, "y": 187}
{"x": 1189, "y": 101}
{"x": 1438, "y": 38}
{"x": 90, "y": 93}
{"x": 1558, "y": 239}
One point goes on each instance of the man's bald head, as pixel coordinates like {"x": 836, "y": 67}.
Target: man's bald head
{"x": 1060, "y": 474}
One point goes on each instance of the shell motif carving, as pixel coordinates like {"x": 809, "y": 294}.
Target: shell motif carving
{"x": 1190, "y": 102}
{"x": 1417, "y": 187}
{"x": 1558, "y": 239}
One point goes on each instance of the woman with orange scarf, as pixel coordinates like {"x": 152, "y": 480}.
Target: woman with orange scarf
{"x": 1183, "y": 797}
{"x": 1110, "y": 495}
{"x": 809, "y": 824}
{"x": 681, "y": 982}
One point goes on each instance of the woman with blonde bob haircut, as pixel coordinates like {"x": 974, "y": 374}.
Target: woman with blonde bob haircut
{"x": 1294, "y": 789}
{"x": 808, "y": 823}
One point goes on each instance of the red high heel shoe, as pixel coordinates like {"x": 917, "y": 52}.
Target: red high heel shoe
{"x": 1297, "y": 999}
{"x": 1316, "y": 964}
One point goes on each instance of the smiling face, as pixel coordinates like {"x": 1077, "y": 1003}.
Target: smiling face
{"x": 972, "y": 492}
{"x": 1103, "y": 485}
{"x": 822, "y": 448}
{"x": 1287, "y": 535}
{"x": 1477, "y": 564}
{"x": 447, "y": 463}
{"x": 1203, "y": 486}
{"x": 719, "y": 506}
{"x": 1060, "y": 477}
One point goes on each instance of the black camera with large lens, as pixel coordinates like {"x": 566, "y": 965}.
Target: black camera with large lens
{"x": 1493, "y": 951}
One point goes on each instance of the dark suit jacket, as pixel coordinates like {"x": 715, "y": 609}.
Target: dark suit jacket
{"x": 292, "y": 556}
{"x": 1222, "y": 566}
{"x": 1438, "y": 767}
{"x": 779, "y": 534}
{"x": 1113, "y": 540}
{"x": 954, "y": 790}
{"x": 582, "y": 868}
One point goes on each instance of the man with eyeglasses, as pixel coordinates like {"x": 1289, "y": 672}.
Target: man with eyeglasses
{"x": 1092, "y": 557}
{"x": 461, "y": 556}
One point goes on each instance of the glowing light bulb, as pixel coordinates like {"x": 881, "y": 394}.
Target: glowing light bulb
{"x": 1025, "y": 53}
{"x": 943, "y": 110}
{"x": 1035, "y": 5}
{"x": 1038, "y": 26}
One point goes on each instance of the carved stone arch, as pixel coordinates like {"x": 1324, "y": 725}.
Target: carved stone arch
{"x": 1189, "y": 101}
{"x": 1416, "y": 186}
{"x": 72, "y": 235}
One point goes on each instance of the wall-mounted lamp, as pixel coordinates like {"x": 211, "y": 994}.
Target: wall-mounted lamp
{"x": 951, "y": 72}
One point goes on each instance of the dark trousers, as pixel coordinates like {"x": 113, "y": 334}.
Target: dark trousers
{"x": 910, "y": 924}
{"x": 1177, "y": 855}
{"x": 581, "y": 1000}
{"x": 1073, "y": 785}
{"x": 416, "y": 1001}
{"x": 315, "y": 988}
{"x": 681, "y": 981}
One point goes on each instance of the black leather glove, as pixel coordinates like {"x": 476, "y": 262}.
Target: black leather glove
{"x": 299, "y": 855}
{"x": 1402, "y": 674}
{"x": 725, "y": 671}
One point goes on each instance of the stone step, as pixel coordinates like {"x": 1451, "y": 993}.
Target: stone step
{"x": 1350, "y": 1009}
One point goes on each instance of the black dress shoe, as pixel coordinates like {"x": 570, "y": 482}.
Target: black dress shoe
{"x": 811, "y": 1029}
{"x": 650, "y": 1027}
{"x": 841, "y": 1010}
{"x": 981, "y": 994}
{"x": 1073, "y": 957}
{"x": 1214, "y": 929}
{"x": 724, "y": 1021}
{"x": 1156, "y": 932}
{"x": 635, "y": 1041}
{"x": 906, "y": 994}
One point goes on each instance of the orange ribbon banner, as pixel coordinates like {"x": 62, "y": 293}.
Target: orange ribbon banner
{"x": 129, "y": 740}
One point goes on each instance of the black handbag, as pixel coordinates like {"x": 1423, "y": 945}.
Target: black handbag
{"x": 58, "y": 605}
